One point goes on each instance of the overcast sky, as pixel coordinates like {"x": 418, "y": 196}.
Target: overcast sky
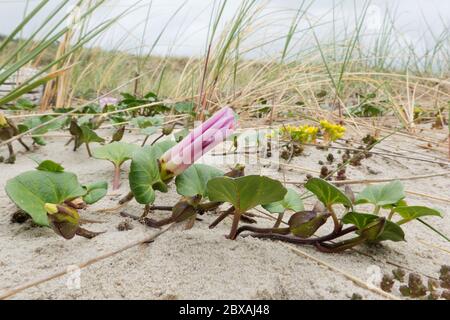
{"x": 186, "y": 33}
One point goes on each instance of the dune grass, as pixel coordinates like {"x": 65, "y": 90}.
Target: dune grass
{"x": 323, "y": 63}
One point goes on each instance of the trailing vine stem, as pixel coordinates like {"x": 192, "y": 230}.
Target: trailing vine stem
{"x": 337, "y": 223}
{"x": 279, "y": 234}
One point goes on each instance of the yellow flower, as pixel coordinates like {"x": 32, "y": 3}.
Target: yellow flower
{"x": 3, "y": 122}
{"x": 302, "y": 134}
{"x": 333, "y": 132}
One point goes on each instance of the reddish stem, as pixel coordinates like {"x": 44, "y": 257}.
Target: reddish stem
{"x": 235, "y": 225}
{"x": 116, "y": 180}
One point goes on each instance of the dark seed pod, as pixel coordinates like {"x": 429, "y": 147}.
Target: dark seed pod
{"x": 64, "y": 220}
{"x": 168, "y": 129}
{"x": 118, "y": 135}
{"x": 304, "y": 224}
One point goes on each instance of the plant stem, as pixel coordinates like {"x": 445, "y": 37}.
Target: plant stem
{"x": 116, "y": 179}
{"x": 222, "y": 216}
{"x": 337, "y": 224}
{"x": 339, "y": 247}
{"x": 279, "y": 220}
{"x": 157, "y": 139}
{"x": 145, "y": 141}
{"x": 88, "y": 150}
{"x": 161, "y": 208}
{"x": 208, "y": 206}
{"x": 377, "y": 210}
{"x": 391, "y": 214}
{"x": 296, "y": 240}
{"x": 283, "y": 231}
{"x": 235, "y": 225}
{"x": 127, "y": 198}
{"x": 434, "y": 229}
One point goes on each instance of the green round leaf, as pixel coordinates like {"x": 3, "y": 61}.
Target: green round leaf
{"x": 359, "y": 220}
{"x": 146, "y": 122}
{"x": 381, "y": 195}
{"x": 149, "y": 131}
{"x": 245, "y": 192}
{"x": 88, "y": 135}
{"x": 145, "y": 176}
{"x": 31, "y": 190}
{"x": 392, "y": 231}
{"x": 95, "y": 192}
{"x": 161, "y": 147}
{"x": 193, "y": 181}
{"x": 50, "y": 166}
{"x": 116, "y": 152}
{"x": 292, "y": 201}
{"x": 327, "y": 193}
{"x": 414, "y": 212}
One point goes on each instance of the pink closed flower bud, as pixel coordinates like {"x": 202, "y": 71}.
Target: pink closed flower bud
{"x": 202, "y": 139}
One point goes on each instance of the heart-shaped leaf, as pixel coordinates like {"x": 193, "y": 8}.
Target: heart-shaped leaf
{"x": 116, "y": 152}
{"x": 414, "y": 212}
{"x": 374, "y": 230}
{"x": 161, "y": 147}
{"x": 146, "y": 122}
{"x": 88, "y": 135}
{"x": 401, "y": 203}
{"x": 292, "y": 201}
{"x": 185, "y": 107}
{"x": 50, "y": 166}
{"x": 327, "y": 193}
{"x": 193, "y": 181}
{"x": 33, "y": 122}
{"x": 392, "y": 231}
{"x": 31, "y": 190}
{"x": 144, "y": 175}
{"x": 359, "y": 220}
{"x": 246, "y": 192}
{"x": 381, "y": 195}
{"x": 149, "y": 131}
{"x": 95, "y": 192}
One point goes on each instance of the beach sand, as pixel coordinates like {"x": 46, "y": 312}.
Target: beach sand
{"x": 201, "y": 263}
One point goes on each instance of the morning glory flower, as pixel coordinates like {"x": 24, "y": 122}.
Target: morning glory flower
{"x": 201, "y": 140}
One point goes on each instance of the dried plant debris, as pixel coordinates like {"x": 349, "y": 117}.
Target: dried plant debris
{"x": 20, "y": 217}
{"x": 415, "y": 288}
{"x": 356, "y": 296}
{"x": 445, "y": 276}
{"x": 387, "y": 282}
{"x": 399, "y": 274}
{"x": 125, "y": 225}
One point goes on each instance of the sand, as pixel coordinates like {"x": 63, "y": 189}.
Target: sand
{"x": 200, "y": 263}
